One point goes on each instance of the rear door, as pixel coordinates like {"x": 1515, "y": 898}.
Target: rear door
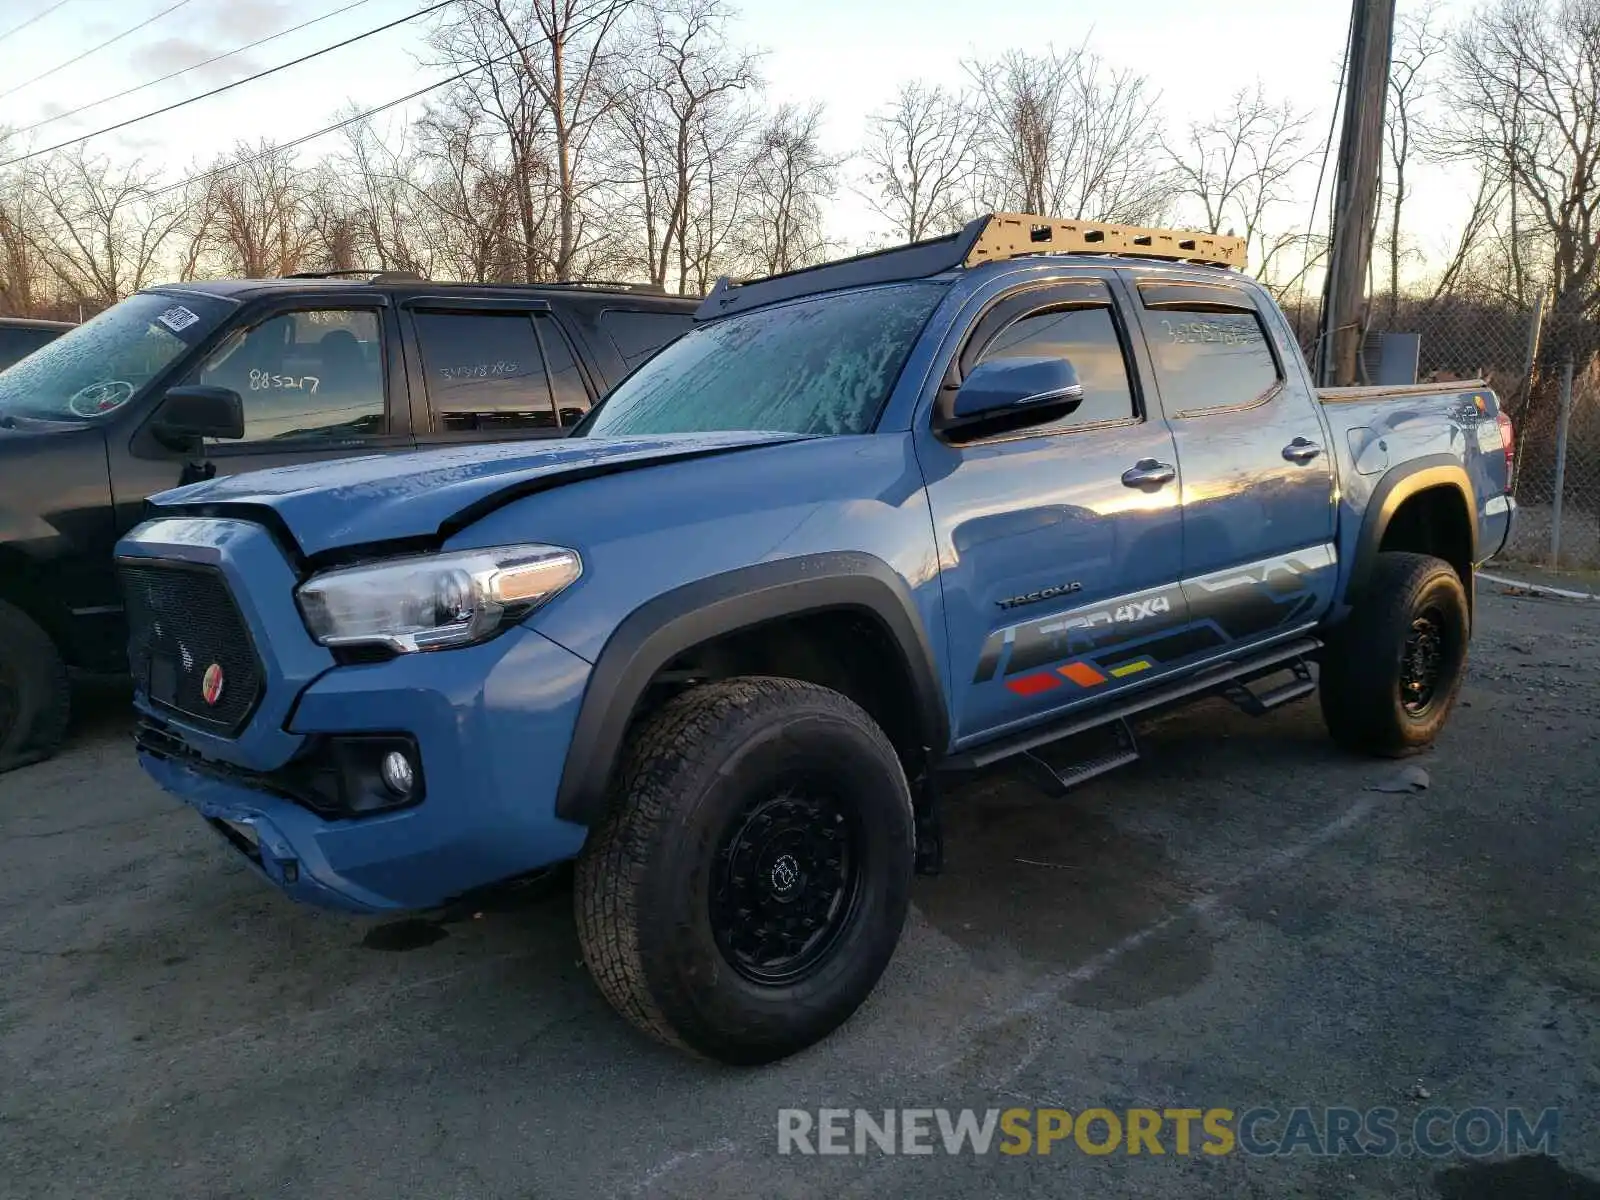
{"x": 1257, "y": 480}
{"x": 492, "y": 371}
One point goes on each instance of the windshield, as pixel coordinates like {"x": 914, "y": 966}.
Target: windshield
{"x": 105, "y": 362}
{"x": 819, "y": 366}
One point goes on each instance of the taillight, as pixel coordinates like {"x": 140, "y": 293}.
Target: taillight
{"x": 1508, "y": 442}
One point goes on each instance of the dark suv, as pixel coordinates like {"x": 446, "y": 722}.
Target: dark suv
{"x": 177, "y": 384}
{"x": 20, "y": 337}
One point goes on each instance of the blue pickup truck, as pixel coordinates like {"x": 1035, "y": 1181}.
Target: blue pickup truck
{"x": 992, "y": 496}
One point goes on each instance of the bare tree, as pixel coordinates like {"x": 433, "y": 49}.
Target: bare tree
{"x": 921, "y": 154}
{"x": 1063, "y": 134}
{"x": 99, "y": 236}
{"x": 791, "y": 178}
{"x": 541, "y": 70}
{"x": 1237, "y": 166}
{"x": 1526, "y": 106}
{"x": 1418, "y": 41}
{"x": 256, "y": 206}
{"x": 679, "y": 116}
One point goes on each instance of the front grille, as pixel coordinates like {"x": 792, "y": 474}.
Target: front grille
{"x": 183, "y": 625}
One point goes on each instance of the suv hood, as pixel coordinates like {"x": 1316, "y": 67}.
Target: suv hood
{"x": 432, "y": 493}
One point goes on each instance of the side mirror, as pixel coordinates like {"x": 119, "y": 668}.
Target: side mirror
{"x": 194, "y": 412}
{"x": 1014, "y": 392}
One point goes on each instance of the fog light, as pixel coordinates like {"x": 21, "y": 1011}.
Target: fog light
{"x": 398, "y": 775}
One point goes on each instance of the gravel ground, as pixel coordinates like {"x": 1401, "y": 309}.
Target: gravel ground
{"x": 1237, "y": 921}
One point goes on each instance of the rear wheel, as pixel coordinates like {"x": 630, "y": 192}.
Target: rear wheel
{"x": 35, "y": 699}
{"x": 1392, "y": 670}
{"x": 748, "y": 887}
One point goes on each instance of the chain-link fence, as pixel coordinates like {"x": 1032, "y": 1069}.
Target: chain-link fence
{"x": 1525, "y": 357}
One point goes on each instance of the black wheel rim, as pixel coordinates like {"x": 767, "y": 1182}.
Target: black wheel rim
{"x": 1422, "y": 661}
{"x": 786, "y": 881}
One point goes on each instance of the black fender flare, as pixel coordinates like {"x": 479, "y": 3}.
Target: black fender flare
{"x": 1398, "y": 485}
{"x": 661, "y": 629}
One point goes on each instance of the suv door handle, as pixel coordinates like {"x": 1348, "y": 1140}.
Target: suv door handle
{"x": 1301, "y": 450}
{"x": 1147, "y": 472}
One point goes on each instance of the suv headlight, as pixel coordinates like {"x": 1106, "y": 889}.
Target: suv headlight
{"x": 434, "y": 601}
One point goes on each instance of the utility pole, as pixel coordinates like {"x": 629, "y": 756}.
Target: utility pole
{"x": 1355, "y": 192}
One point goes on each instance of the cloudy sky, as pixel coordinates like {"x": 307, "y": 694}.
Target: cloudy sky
{"x": 849, "y": 53}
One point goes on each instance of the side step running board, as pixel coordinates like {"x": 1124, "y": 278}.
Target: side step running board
{"x": 1216, "y": 678}
{"x": 1259, "y": 704}
{"x": 1058, "y": 768}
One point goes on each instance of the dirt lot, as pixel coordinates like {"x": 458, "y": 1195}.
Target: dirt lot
{"x": 1235, "y": 922}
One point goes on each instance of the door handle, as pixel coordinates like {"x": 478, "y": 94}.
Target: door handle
{"x": 1147, "y": 472}
{"x": 1301, "y": 450}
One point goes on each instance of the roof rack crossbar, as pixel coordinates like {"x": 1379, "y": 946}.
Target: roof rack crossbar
{"x": 995, "y": 237}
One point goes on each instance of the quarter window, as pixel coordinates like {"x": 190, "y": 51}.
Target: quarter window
{"x": 1086, "y": 337}
{"x": 314, "y": 374}
{"x": 637, "y": 335}
{"x": 484, "y": 371}
{"x": 1209, "y": 358}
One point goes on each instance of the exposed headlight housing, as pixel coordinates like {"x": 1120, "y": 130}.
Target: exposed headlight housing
{"x": 434, "y": 601}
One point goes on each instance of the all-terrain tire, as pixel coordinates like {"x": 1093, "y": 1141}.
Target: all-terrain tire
{"x": 680, "y": 850}
{"x": 1371, "y": 700}
{"x": 35, "y": 698}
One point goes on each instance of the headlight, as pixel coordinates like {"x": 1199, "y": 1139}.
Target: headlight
{"x": 434, "y": 601}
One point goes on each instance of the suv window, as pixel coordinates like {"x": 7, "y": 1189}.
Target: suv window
{"x": 638, "y": 335}
{"x": 1208, "y": 358}
{"x": 484, "y": 371}
{"x": 1087, "y": 337}
{"x": 566, "y": 380}
{"x": 19, "y": 341}
{"x": 311, "y": 374}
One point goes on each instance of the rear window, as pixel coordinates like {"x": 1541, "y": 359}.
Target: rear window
{"x": 1209, "y": 354}
{"x": 638, "y": 335}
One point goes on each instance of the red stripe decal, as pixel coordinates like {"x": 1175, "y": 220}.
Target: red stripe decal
{"x": 1032, "y": 685}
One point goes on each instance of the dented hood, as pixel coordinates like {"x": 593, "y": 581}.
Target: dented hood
{"x": 431, "y": 493}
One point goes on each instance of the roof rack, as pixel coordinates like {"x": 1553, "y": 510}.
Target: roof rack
{"x": 994, "y": 237}
{"x": 606, "y": 285}
{"x": 375, "y": 276}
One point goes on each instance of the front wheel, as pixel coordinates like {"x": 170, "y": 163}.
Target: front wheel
{"x": 749, "y": 884}
{"x": 1392, "y": 670}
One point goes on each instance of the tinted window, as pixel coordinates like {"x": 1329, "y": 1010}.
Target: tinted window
{"x": 638, "y": 335}
{"x": 566, "y": 381}
{"x": 313, "y": 374}
{"x": 1208, "y": 359}
{"x": 484, "y": 371}
{"x": 819, "y": 366}
{"x": 1087, "y": 337}
{"x": 100, "y": 365}
{"x": 19, "y": 341}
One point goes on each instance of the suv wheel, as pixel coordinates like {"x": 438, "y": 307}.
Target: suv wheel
{"x": 34, "y": 696}
{"x": 749, "y": 884}
{"x": 1392, "y": 670}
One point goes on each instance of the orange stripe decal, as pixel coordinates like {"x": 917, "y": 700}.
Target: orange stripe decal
{"x": 1082, "y": 674}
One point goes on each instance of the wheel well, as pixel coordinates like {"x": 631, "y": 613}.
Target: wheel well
{"x": 845, "y": 649}
{"x": 15, "y": 571}
{"x": 1434, "y": 521}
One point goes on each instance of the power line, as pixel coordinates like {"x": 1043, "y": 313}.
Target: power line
{"x": 327, "y": 129}
{"x": 31, "y": 20}
{"x": 83, "y": 108}
{"x": 94, "y": 49}
{"x": 227, "y": 87}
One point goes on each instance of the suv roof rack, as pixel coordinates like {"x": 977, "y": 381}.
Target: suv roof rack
{"x": 375, "y": 276}
{"x": 606, "y": 285}
{"x": 994, "y": 237}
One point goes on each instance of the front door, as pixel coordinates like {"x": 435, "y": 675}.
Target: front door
{"x": 316, "y": 383}
{"x": 1059, "y": 545}
{"x": 1258, "y": 501}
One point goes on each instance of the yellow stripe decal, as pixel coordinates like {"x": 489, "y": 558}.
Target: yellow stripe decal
{"x": 1132, "y": 668}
